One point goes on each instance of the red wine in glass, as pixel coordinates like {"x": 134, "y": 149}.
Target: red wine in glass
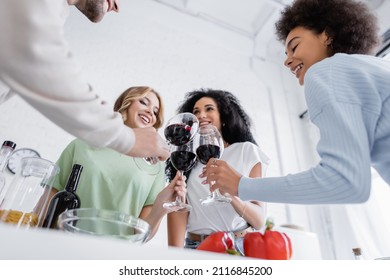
{"x": 210, "y": 145}
{"x": 181, "y": 128}
{"x": 178, "y": 134}
{"x": 183, "y": 160}
{"x": 208, "y": 151}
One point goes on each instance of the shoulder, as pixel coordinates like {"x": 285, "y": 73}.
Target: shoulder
{"x": 242, "y": 146}
{"x": 340, "y": 65}
{"x": 340, "y": 78}
{"x": 245, "y": 147}
{"x": 80, "y": 147}
{"x": 250, "y": 150}
{"x": 77, "y": 144}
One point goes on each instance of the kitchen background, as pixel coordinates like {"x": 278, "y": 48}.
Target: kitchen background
{"x": 176, "y": 46}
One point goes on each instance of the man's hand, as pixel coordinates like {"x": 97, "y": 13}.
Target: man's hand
{"x": 148, "y": 143}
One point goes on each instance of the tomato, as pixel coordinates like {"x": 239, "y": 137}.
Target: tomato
{"x": 272, "y": 245}
{"x": 219, "y": 242}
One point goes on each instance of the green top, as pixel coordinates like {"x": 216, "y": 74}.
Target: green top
{"x": 109, "y": 180}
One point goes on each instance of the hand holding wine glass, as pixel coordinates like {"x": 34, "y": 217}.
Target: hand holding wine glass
{"x": 210, "y": 145}
{"x": 183, "y": 158}
{"x": 179, "y": 132}
{"x": 146, "y": 138}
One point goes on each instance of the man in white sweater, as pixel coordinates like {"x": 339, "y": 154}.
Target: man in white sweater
{"x": 36, "y": 63}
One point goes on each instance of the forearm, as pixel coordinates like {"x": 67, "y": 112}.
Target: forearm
{"x": 309, "y": 187}
{"x": 177, "y": 222}
{"x": 36, "y": 63}
{"x": 154, "y": 219}
{"x": 253, "y": 212}
{"x": 342, "y": 176}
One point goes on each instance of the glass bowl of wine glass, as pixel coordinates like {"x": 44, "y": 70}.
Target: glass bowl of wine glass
{"x": 104, "y": 223}
{"x": 181, "y": 129}
{"x": 210, "y": 145}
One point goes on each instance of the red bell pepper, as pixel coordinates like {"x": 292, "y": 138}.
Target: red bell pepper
{"x": 272, "y": 245}
{"x": 219, "y": 242}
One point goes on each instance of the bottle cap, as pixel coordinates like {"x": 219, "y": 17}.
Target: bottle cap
{"x": 357, "y": 251}
{"x": 8, "y": 143}
{"x": 77, "y": 167}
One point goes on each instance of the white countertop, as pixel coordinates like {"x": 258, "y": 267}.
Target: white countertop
{"x": 42, "y": 244}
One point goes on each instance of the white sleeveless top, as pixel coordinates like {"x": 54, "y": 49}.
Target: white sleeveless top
{"x": 207, "y": 219}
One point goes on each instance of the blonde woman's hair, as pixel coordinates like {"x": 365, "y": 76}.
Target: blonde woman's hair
{"x": 135, "y": 93}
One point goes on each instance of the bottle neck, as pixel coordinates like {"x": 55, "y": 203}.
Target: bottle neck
{"x": 357, "y": 252}
{"x": 358, "y": 257}
{"x": 73, "y": 180}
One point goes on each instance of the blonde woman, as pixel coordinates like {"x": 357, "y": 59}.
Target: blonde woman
{"x": 111, "y": 180}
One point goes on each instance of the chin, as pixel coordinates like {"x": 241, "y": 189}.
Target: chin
{"x": 144, "y": 125}
{"x": 301, "y": 80}
{"x": 96, "y": 19}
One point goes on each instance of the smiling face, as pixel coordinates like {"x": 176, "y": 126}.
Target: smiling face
{"x": 305, "y": 48}
{"x": 143, "y": 112}
{"x": 206, "y": 110}
{"x": 95, "y": 10}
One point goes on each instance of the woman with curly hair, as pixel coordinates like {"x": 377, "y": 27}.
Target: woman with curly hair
{"x": 223, "y": 110}
{"x": 328, "y": 46}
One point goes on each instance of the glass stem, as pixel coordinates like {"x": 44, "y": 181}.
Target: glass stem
{"x": 178, "y": 198}
{"x": 216, "y": 193}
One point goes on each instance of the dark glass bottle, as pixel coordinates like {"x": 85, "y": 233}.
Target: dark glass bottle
{"x": 64, "y": 200}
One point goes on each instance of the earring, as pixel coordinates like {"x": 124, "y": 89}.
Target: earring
{"x": 124, "y": 116}
{"x": 223, "y": 124}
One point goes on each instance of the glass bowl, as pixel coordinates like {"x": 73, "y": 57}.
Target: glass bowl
{"x": 104, "y": 223}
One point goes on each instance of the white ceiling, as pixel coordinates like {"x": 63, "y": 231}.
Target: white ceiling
{"x": 254, "y": 19}
{"x": 248, "y": 16}
{"x": 243, "y": 16}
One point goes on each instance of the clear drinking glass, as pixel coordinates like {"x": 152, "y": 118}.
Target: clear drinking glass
{"x": 210, "y": 145}
{"x": 104, "y": 223}
{"x": 27, "y": 196}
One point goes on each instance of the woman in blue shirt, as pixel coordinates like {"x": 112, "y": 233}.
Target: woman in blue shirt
{"x": 347, "y": 93}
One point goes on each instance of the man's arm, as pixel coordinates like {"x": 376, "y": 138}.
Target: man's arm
{"x": 36, "y": 63}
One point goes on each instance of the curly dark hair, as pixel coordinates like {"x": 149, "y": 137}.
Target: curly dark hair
{"x": 351, "y": 24}
{"x": 236, "y": 124}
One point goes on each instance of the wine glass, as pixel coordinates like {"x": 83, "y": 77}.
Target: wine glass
{"x": 179, "y": 132}
{"x": 210, "y": 145}
{"x": 181, "y": 128}
{"x": 183, "y": 158}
